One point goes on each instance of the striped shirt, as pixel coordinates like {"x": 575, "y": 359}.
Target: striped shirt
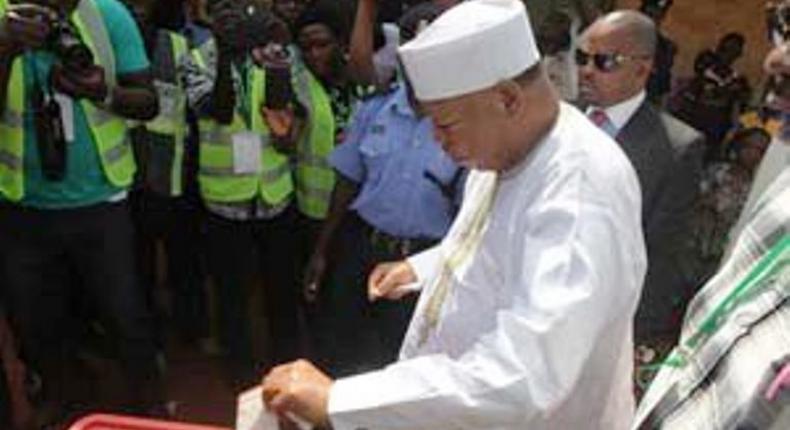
{"x": 723, "y": 382}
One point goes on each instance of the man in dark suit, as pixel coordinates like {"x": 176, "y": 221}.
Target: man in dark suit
{"x": 615, "y": 58}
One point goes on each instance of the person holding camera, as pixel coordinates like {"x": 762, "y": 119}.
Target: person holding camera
{"x": 164, "y": 207}
{"x": 73, "y": 72}
{"x": 245, "y": 177}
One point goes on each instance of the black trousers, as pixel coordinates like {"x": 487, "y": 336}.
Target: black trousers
{"x": 5, "y": 400}
{"x": 41, "y": 250}
{"x": 177, "y": 224}
{"x": 237, "y": 252}
{"x": 353, "y": 335}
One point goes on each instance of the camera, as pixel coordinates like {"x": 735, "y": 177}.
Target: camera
{"x": 50, "y": 136}
{"x": 279, "y": 93}
{"x": 66, "y": 44}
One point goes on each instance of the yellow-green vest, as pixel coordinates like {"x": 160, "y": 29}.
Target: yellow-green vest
{"x": 170, "y": 126}
{"x": 108, "y": 130}
{"x": 219, "y": 182}
{"x": 314, "y": 176}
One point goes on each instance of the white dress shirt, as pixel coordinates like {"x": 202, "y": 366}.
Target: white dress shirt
{"x": 536, "y": 330}
{"x": 621, "y": 113}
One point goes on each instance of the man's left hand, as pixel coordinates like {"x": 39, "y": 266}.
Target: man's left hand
{"x": 298, "y": 389}
{"x": 87, "y": 83}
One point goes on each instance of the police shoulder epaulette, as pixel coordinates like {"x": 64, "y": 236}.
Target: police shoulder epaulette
{"x": 375, "y": 92}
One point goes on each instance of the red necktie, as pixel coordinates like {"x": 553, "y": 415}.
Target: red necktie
{"x": 599, "y": 118}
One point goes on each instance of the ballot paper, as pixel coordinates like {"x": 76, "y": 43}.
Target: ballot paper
{"x": 251, "y": 414}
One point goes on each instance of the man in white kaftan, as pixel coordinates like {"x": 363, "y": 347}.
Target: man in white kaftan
{"x": 525, "y": 314}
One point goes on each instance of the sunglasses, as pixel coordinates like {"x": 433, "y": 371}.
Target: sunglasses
{"x": 604, "y": 62}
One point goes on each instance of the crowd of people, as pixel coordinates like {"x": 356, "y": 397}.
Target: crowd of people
{"x": 326, "y": 156}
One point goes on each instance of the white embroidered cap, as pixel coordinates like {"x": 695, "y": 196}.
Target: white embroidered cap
{"x": 471, "y": 47}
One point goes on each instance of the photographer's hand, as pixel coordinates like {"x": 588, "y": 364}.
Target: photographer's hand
{"x": 24, "y": 27}
{"x": 227, "y": 21}
{"x": 87, "y": 83}
{"x": 133, "y": 98}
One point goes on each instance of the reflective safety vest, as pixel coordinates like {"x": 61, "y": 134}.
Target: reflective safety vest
{"x": 222, "y": 178}
{"x": 109, "y": 131}
{"x": 315, "y": 177}
{"x": 162, "y": 140}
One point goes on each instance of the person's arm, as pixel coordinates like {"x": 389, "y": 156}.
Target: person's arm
{"x": 667, "y": 230}
{"x": 227, "y": 22}
{"x": 23, "y": 27}
{"x": 360, "y": 63}
{"x": 344, "y": 193}
{"x": 134, "y": 97}
{"x": 565, "y": 316}
{"x": 347, "y": 161}
{"x": 223, "y": 98}
{"x": 531, "y": 360}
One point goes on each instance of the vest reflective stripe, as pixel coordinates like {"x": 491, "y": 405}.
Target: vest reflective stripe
{"x": 315, "y": 160}
{"x": 269, "y": 176}
{"x": 12, "y": 182}
{"x": 109, "y": 132}
{"x": 171, "y": 121}
{"x": 315, "y": 177}
{"x": 90, "y": 22}
{"x": 10, "y": 161}
{"x": 219, "y": 181}
{"x": 13, "y": 119}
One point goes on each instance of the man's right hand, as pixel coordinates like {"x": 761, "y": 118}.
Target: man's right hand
{"x": 314, "y": 276}
{"x": 25, "y": 27}
{"x": 389, "y": 279}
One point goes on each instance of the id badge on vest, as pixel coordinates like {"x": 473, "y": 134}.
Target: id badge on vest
{"x": 169, "y": 97}
{"x": 247, "y": 153}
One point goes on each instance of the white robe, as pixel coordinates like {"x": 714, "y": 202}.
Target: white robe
{"x": 536, "y": 331}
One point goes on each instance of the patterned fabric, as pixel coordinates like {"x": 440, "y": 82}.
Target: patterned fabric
{"x": 721, "y": 381}
{"x": 344, "y": 100}
{"x": 724, "y": 190}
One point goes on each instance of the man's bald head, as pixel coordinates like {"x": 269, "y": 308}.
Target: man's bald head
{"x": 632, "y": 28}
{"x": 627, "y": 39}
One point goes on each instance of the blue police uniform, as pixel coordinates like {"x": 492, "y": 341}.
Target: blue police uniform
{"x": 408, "y": 196}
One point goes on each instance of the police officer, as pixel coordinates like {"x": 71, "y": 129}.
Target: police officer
{"x": 395, "y": 196}
{"x": 72, "y": 74}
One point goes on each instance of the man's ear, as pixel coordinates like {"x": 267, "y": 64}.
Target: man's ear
{"x": 509, "y": 97}
{"x": 646, "y": 68}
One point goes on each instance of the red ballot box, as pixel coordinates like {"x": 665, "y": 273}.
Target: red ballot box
{"x": 115, "y": 422}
